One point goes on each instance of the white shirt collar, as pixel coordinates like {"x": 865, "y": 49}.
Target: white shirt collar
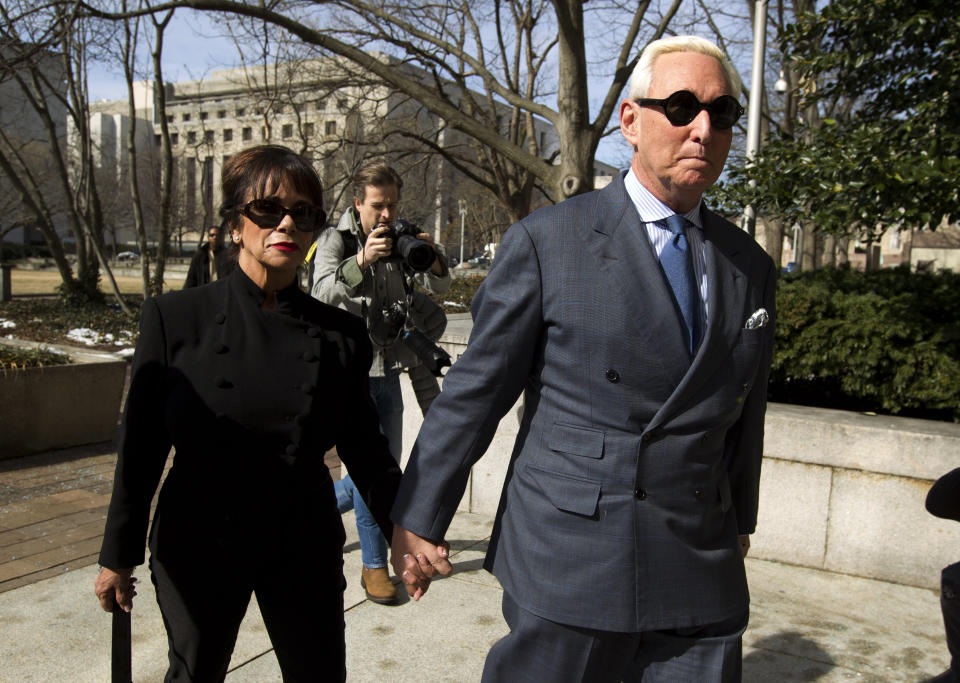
{"x": 652, "y": 209}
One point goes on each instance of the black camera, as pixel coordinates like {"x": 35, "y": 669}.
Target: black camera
{"x": 407, "y": 247}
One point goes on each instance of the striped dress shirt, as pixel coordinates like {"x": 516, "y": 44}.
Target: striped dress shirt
{"x": 652, "y": 210}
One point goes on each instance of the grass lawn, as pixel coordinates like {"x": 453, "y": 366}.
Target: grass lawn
{"x": 44, "y": 282}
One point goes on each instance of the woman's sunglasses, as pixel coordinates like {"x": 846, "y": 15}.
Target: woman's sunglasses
{"x": 268, "y": 213}
{"x": 682, "y": 107}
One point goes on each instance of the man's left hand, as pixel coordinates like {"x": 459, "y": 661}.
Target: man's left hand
{"x": 436, "y": 267}
{"x": 744, "y": 544}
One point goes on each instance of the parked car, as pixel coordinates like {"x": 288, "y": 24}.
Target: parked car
{"x": 128, "y": 256}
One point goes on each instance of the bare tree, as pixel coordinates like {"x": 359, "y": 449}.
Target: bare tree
{"x": 44, "y": 52}
{"x": 481, "y": 68}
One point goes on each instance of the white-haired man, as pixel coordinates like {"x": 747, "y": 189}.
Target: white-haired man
{"x": 639, "y": 327}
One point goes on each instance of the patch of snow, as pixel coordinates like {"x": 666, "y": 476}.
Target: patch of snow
{"x": 85, "y": 335}
{"x": 7, "y": 324}
{"x": 454, "y": 304}
{"x": 125, "y": 353}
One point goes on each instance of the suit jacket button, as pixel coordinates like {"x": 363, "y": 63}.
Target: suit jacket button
{"x": 219, "y": 318}
{"x": 222, "y": 382}
{"x": 313, "y": 332}
{"x": 291, "y": 449}
{"x": 221, "y": 348}
{"x": 308, "y": 356}
{"x": 647, "y": 437}
{"x": 640, "y": 494}
{"x": 698, "y": 493}
{"x": 612, "y": 375}
{"x": 306, "y": 388}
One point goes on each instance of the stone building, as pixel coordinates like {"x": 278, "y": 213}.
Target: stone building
{"x": 321, "y": 108}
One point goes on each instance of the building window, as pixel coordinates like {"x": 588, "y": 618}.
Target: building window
{"x": 895, "y": 241}
{"x": 169, "y": 118}
{"x": 308, "y": 129}
{"x": 287, "y": 130}
{"x": 241, "y": 111}
{"x": 174, "y": 138}
{"x": 330, "y": 128}
{"x": 208, "y": 136}
{"x": 222, "y": 114}
{"x": 157, "y": 140}
{"x": 186, "y": 117}
{"x": 263, "y": 133}
{"x": 227, "y": 134}
{"x": 203, "y": 116}
{"x": 341, "y": 103}
{"x": 319, "y": 105}
{"x": 247, "y": 134}
{"x": 192, "y": 137}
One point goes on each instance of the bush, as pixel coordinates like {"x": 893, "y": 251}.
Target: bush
{"x": 13, "y": 357}
{"x": 457, "y": 299}
{"x": 886, "y": 341}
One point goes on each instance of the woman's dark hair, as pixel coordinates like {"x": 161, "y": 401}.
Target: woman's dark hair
{"x": 250, "y": 173}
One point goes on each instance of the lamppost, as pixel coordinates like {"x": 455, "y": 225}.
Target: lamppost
{"x": 462, "y": 205}
{"x": 756, "y": 100}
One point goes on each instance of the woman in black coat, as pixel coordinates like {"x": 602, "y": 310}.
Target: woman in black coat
{"x": 251, "y": 381}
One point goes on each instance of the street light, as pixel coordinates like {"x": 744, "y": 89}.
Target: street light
{"x": 781, "y": 85}
{"x": 462, "y": 205}
{"x": 756, "y": 100}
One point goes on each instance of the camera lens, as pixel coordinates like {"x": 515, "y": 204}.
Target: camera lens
{"x": 415, "y": 252}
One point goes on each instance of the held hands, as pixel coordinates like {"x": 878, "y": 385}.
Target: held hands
{"x": 416, "y": 560}
{"x": 115, "y": 586}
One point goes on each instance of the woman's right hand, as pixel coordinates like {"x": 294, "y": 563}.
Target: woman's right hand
{"x": 115, "y": 587}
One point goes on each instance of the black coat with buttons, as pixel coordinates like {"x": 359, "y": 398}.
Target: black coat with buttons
{"x": 250, "y": 399}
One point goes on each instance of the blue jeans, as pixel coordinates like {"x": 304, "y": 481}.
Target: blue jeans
{"x": 385, "y": 392}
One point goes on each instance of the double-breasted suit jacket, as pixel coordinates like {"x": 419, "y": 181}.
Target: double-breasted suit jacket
{"x": 635, "y": 466}
{"x": 250, "y": 400}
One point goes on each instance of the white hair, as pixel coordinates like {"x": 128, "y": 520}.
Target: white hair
{"x": 643, "y": 71}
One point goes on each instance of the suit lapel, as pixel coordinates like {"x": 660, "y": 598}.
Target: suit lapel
{"x": 726, "y": 293}
{"x": 630, "y": 269}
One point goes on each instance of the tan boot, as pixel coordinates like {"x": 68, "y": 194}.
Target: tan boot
{"x": 379, "y": 587}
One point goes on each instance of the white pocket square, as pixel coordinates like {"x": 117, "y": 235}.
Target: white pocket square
{"x": 759, "y": 318}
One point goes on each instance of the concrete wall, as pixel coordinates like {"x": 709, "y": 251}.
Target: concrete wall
{"x": 60, "y": 406}
{"x": 840, "y": 491}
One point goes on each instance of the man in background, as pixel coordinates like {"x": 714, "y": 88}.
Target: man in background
{"x": 355, "y": 268}
{"x": 211, "y": 262}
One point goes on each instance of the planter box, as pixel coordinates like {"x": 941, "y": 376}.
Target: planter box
{"x": 43, "y": 409}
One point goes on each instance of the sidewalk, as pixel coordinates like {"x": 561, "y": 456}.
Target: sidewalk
{"x": 805, "y": 626}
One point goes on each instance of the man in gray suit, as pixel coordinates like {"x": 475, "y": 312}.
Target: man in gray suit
{"x": 639, "y": 326}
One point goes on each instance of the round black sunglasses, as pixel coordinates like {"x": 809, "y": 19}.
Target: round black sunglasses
{"x": 267, "y": 213}
{"x": 682, "y": 107}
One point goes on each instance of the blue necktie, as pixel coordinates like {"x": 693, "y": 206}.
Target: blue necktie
{"x": 677, "y": 263}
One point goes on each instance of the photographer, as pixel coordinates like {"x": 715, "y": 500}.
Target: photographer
{"x": 363, "y": 266}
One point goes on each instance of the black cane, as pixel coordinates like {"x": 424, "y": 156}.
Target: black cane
{"x": 121, "y": 666}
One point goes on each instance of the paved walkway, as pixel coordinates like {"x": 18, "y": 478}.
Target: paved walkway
{"x": 806, "y": 625}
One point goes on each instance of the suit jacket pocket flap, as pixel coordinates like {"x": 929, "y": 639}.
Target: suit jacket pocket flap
{"x": 576, "y": 440}
{"x": 567, "y": 493}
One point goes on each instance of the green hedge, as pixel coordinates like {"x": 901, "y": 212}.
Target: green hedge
{"x": 14, "y": 357}
{"x": 886, "y": 341}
